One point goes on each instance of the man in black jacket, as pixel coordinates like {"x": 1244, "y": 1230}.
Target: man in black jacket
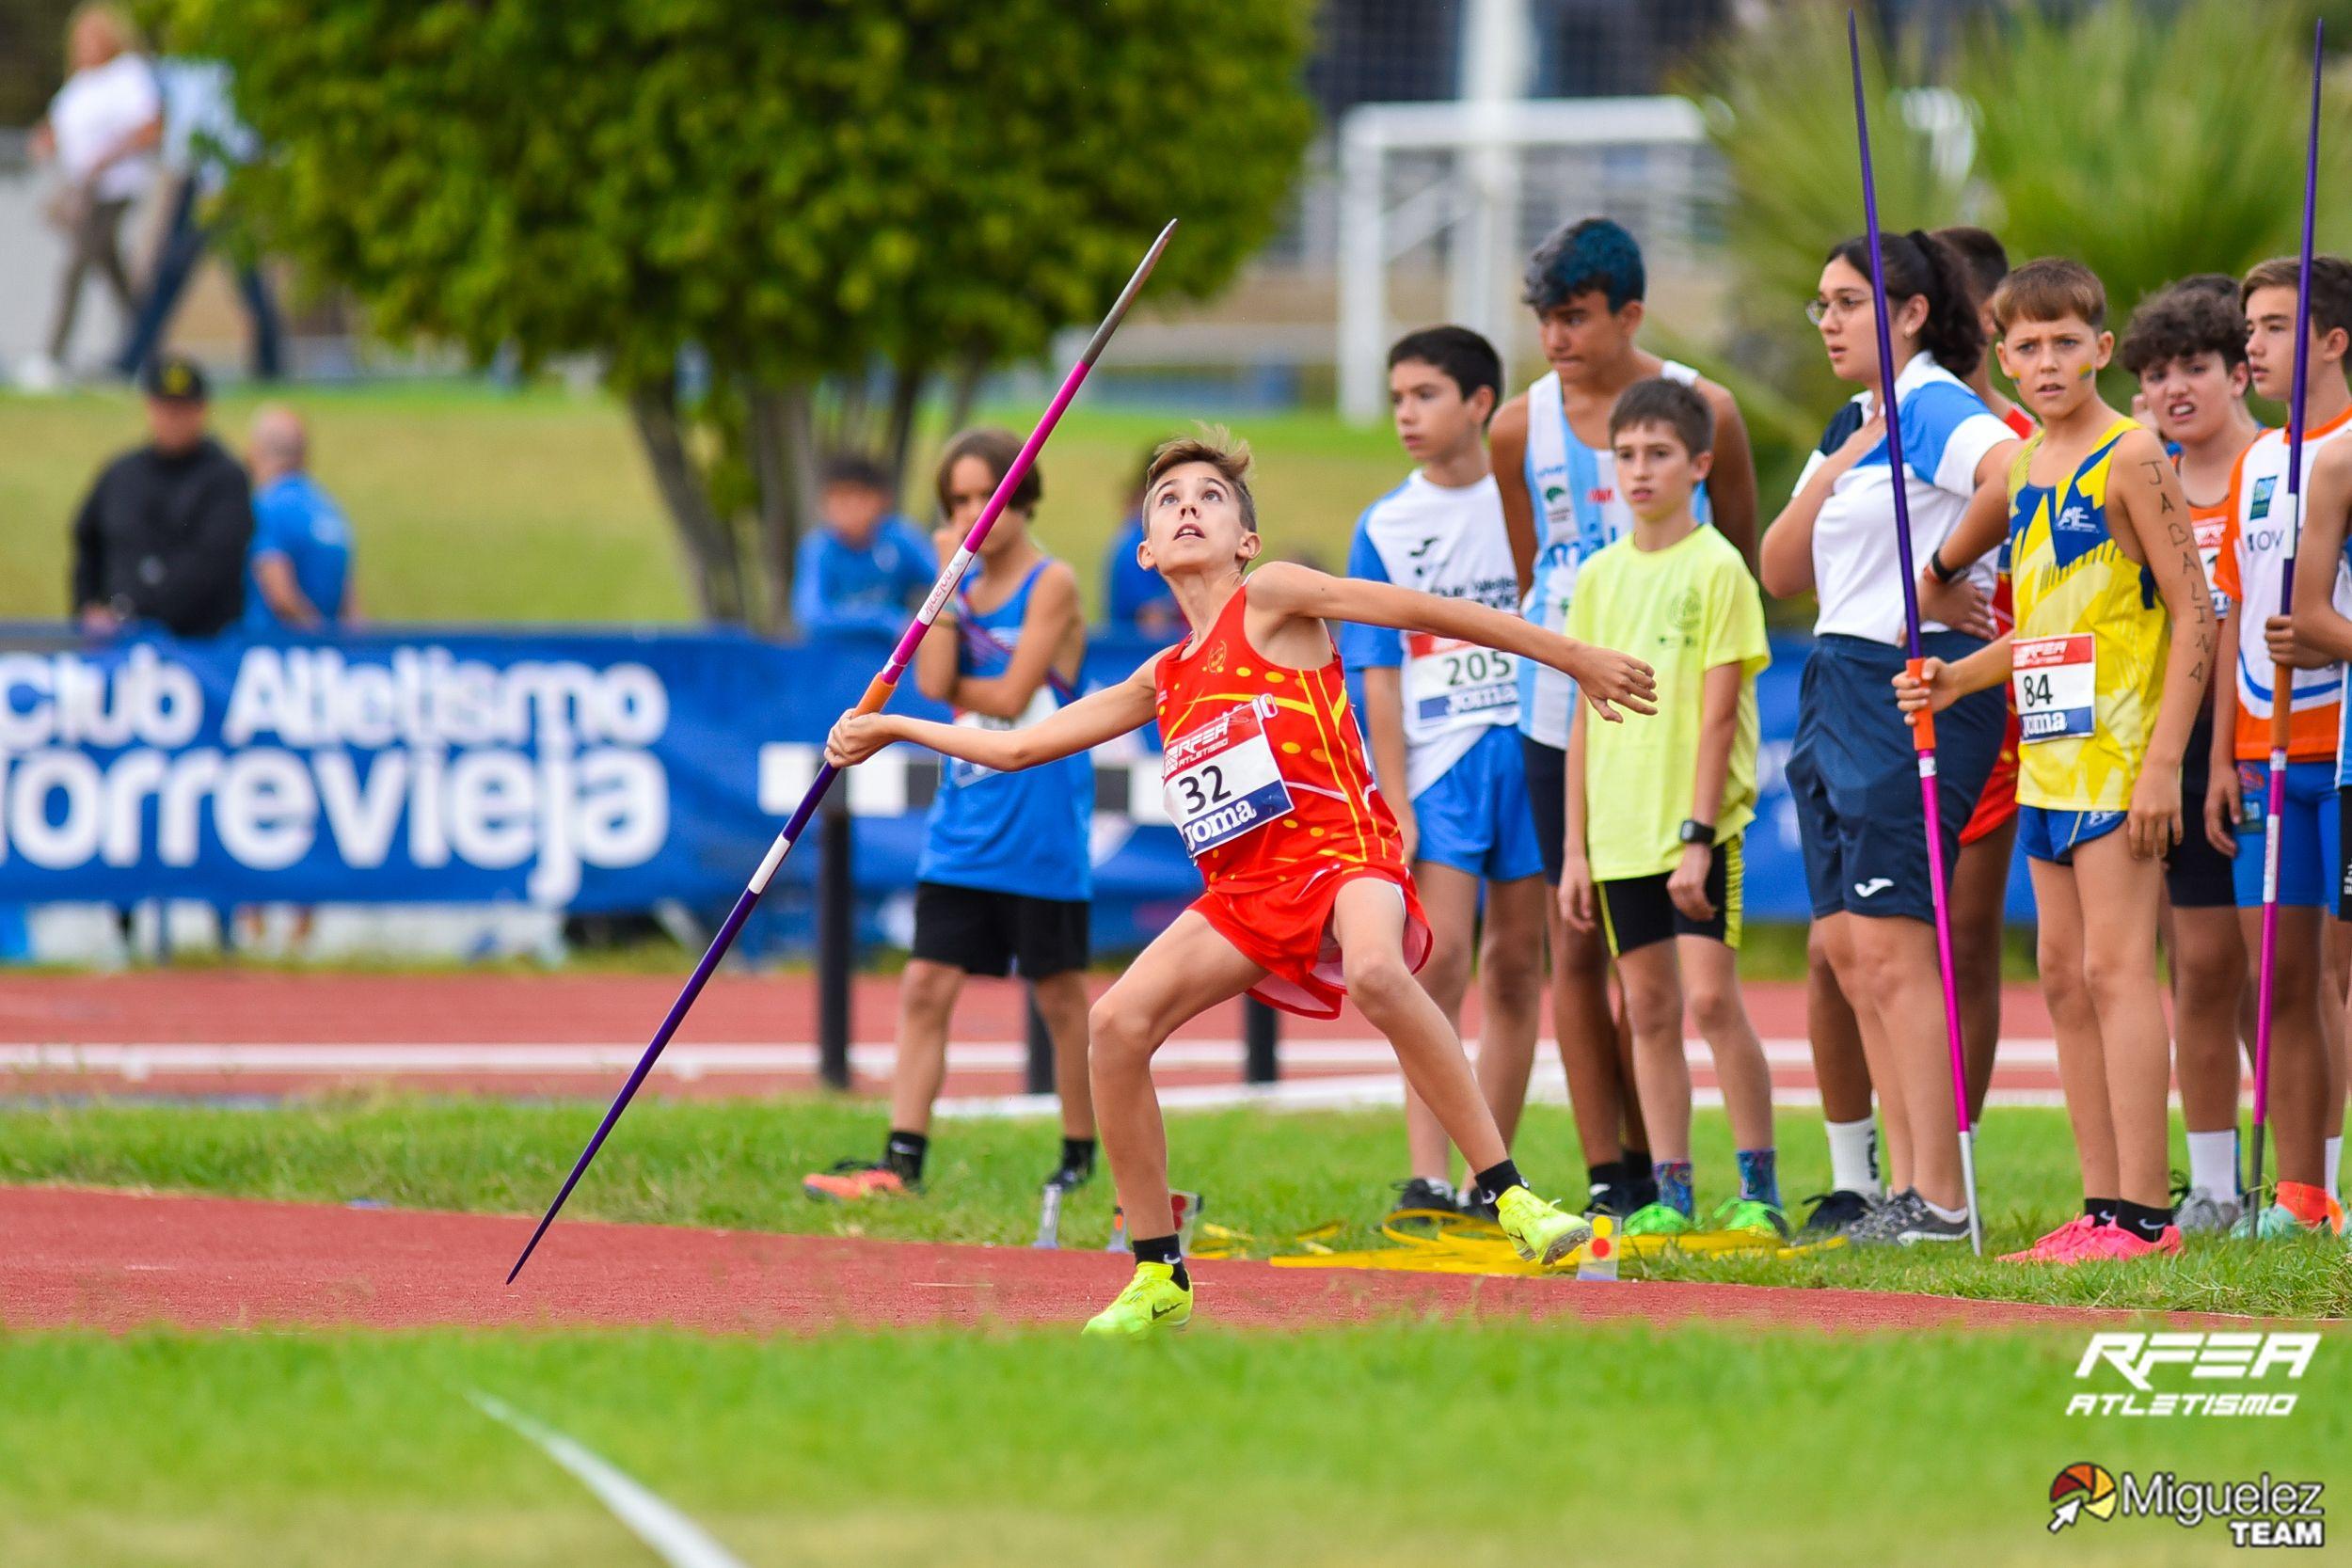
{"x": 161, "y": 539}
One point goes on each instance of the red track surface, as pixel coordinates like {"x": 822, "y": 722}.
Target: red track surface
{"x": 266, "y": 1010}
{"x": 119, "y": 1261}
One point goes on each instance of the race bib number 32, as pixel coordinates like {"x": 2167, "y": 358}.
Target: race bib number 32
{"x": 2055, "y": 679}
{"x": 1221, "y": 780}
{"x": 1446, "y": 682}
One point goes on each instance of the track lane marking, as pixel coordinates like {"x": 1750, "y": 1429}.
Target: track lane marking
{"x": 673, "y": 1537}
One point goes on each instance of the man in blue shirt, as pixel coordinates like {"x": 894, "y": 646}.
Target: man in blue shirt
{"x": 866, "y": 567}
{"x": 298, "y": 568}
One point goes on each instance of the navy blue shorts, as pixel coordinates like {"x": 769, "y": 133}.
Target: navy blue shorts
{"x": 1855, "y": 778}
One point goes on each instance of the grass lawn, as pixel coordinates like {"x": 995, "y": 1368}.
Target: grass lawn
{"x": 1391, "y": 1446}
{"x": 738, "y": 1164}
{"x": 470, "y": 503}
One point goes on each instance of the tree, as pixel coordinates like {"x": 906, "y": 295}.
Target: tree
{"x": 837, "y": 206}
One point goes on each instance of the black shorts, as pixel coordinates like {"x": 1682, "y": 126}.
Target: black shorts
{"x": 2197, "y": 875}
{"x": 1638, "y": 911}
{"x": 988, "y": 933}
{"x": 1548, "y": 797}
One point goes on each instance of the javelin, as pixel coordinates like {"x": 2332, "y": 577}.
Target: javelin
{"x": 1923, "y": 721}
{"x": 2282, "y": 676}
{"x": 876, "y": 695}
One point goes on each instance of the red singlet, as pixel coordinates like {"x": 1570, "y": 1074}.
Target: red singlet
{"x": 1266, "y": 779}
{"x": 1996, "y": 807}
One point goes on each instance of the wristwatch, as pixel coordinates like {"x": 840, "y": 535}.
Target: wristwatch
{"x": 1695, "y": 831}
{"x": 1944, "y": 573}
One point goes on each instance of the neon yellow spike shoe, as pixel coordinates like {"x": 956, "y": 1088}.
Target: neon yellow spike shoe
{"x": 1658, "y": 1219}
{"x": 1537, "y": 1231}
{"x": 1152, "y": 1304}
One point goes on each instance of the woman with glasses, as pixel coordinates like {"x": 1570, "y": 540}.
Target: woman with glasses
{"x": 1854, "y": 773}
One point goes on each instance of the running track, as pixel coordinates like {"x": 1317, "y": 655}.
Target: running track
{"x": 228, "y": 1031}
{"x": 122, "y": 1261}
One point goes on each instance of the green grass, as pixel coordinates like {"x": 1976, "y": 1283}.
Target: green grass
{"x": 738, "y": 1164}
{"x": 475, "y": 504}
{"x": 1391, "y": 1446}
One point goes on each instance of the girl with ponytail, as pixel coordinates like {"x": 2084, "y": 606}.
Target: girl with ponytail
{"x": 1853, "y": 771}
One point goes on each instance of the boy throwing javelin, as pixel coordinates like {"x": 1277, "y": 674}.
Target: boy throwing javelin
{"x": 1308, "y": 898}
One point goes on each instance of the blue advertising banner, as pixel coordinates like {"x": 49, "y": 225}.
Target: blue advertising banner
{"x": 597, "y": 773}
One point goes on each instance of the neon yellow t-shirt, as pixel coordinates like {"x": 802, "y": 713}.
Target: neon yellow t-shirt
{"x": 1684, "y": 609}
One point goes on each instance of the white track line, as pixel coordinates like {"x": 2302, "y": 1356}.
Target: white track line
{"x": 717, "y": 1060}
{"x": 1337, "y": 1094}
{"x": 673, "y": 1538}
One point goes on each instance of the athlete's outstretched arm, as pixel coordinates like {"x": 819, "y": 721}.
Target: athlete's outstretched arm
{"x": 1093, "y": 718}
{"x": 1605, "y": 676}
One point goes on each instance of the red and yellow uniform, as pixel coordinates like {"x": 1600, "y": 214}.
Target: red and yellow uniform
{"x": 1265, "y": 778}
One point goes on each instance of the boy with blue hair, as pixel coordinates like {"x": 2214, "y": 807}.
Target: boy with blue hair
{"x": 1556, "y": 478}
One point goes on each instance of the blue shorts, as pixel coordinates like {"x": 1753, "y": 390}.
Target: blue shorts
{"x": 2311, "y": 833}
{"x": 1855, "y": 778}
{"x": 2049, "y": 833}
{"x": 1477, "y": 818}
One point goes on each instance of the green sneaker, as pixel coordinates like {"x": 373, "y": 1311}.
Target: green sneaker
{"x": 1751, "y": 1215}
{"x": 2275, "y": 1221}
{"x": 1538, "y": 1231}
{"x": 1657, "y": 1219}
{"x": 1151, "y": 1305}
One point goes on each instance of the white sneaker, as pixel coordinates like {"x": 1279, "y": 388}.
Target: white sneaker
{"x": 39, "y": 373}
{"x": 2201, "y": 1212}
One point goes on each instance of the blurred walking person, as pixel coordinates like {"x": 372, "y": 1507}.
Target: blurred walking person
{"x": 101, "y": 132}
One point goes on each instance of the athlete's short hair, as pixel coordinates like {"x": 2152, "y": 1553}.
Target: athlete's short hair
{"x": 2049, "y": 289}
{"x": 1465, "y": 356}
{"x": 1918, "y": 265}
{"x": 1982, "y": 252}
{"x": 1661, "y": 401}
{"x": 1581, "y": 258}
{"x": 1221, "y": 450}
{"x": 2183, "y": 320}
{"x": 855, "y": 470}
{"x": 997, "y": 448}
{"x": 2220, "y": 283}
{"x": 2331, "y": 288}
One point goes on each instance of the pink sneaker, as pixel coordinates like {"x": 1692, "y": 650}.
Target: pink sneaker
{"x": 2115, "y": 1242}
{"x": 2061, "y": 1246}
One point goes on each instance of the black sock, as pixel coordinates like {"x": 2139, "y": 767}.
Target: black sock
{"x": 1078, "y": 1154}
{"x": 1164, "y": 1249}
{"x": 903, "y": 1152}
{"x": 1641, "y": 1175}
{"x": 1497, "y": 1180}
{"x": 2101, "y": 1210}
{"x": 2139, "y": 1219}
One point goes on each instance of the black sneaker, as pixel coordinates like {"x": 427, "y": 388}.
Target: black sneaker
{"x": 1477, "y": 1208}
{"x": 1421, "y": 1196}
{"x": 1834, "y": 1213}
{"x": 1905, "y": 1220}
{"x": 1614, "y": 1198}
{"x": 1066, "y": 1177}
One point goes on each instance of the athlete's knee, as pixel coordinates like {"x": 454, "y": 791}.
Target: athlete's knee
{"x": 1120, "y": 1032}
{"x": 1447, "y": 973}
{"x": 1716, "y": 1007}
{"x": 1514, "y": 967}
{"x": 1653, "y": 998}
{"x": 928, "y": 990}
{"x": 1379, "y": 984}
{"x": 2117, "y": 972}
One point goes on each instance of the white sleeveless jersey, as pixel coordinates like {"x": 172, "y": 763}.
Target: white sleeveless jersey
{"x": 1573, "y": 488}
{"x": 2266, "y": 532}
{"x": 1451, "y": 543}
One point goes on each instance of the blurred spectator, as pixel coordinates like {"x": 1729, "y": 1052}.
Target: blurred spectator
{"x": 867, "y": 567}
{"x": 161, "y": 539}
{"x": 1134, "y": 597}
{"x": 202, "y": 140}
{"x": 101, "y": 130}
{"x": 299, "y": 571}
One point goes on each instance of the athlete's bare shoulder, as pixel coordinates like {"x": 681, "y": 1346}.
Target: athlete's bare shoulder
{"x": 1509, "y": 423}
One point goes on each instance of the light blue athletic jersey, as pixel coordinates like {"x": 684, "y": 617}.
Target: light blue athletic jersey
{"x": 1023, "y": 832}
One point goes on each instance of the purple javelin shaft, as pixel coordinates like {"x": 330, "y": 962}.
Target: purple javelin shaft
{"x": 2283, "y": 679}
{"x": 877, "y": 693}
{"x": 1929, "y": 801}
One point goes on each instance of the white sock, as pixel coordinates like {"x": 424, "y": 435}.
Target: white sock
{"x": 1854, "y": 1156}
{"x": 2334, "y": 1157}
{"x": 2212, "y": 1163}
{"x": 1943, "y": 1214}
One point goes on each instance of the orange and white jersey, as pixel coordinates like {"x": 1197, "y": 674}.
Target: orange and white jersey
{"x": 2259, "y": 539}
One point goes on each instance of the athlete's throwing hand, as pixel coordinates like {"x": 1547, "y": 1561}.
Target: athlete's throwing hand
{"x": 1606, "y": 676}
{"x": 856, "y": 737}
{"x": 1933, "y": 689}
